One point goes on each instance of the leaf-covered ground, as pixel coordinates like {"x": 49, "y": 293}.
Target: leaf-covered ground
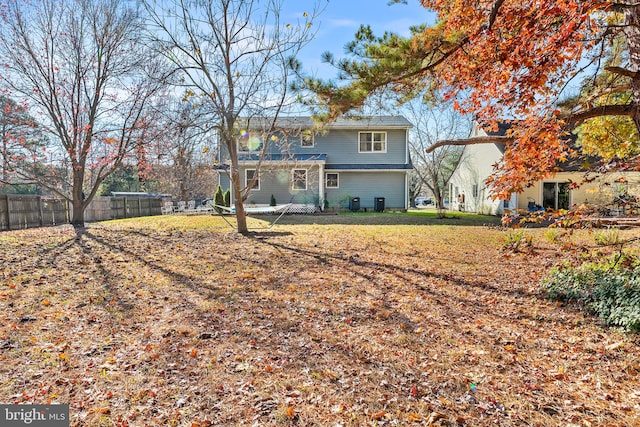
{"x": 180, "y": 321}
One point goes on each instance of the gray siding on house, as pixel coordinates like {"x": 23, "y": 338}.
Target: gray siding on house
{"x": 278, "y": 183}
{"x": 341, "y": 146}
{"x": 224, "y": 180}
{"x": 367, "y": 186}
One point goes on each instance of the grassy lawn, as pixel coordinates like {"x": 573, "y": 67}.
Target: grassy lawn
{"x": 352, "y": 320}
{"x": 412, "y": 217}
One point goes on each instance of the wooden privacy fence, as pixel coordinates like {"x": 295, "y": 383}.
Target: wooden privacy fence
{"x": 126, "y": 207}
{"x": 27, "y": 211}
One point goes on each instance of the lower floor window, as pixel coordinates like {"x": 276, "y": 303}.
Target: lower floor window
{"x": 299, "y": 179}
{"x": 555, "y": 195}
{"x": 249, "y": 174}
{"x": 332, "y": 180}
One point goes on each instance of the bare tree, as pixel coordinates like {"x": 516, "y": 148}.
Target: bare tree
{"x": 236, "y": 59}
{"x": 180, "y": 158}
{"x": 434, "y": 121}
{"x": 81, "y": 70}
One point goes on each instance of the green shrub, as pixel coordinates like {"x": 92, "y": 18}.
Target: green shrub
{"x": 515, "y": 240}
{"x": 609, "y": 289}
{"x": 616, "y": 298}
{"x": 227, "y": 198}
{"x": 607, "y": 237}
{"x": 568, "y": 284}
{"x": 552, "y": 235}
{"x": 273, "y": 200}
{"x": 218, "y": 199}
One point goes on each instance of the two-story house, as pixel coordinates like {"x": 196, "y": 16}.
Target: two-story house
{"x": 357, "y": 164}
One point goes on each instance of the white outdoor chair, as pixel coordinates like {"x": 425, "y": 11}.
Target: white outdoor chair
{"x": 167, "y": 208}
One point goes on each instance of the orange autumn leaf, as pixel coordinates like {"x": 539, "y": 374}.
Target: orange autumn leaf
{"x": 379, "y": 415}
{"x": 414, "y": 417}
{"x": 290, "y": 412}
{"x": 414, "y": 391}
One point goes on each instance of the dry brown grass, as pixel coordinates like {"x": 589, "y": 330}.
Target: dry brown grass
{"x": 179, "y": 321}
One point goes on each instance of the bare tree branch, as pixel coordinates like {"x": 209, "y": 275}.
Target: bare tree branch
{"x": 601, "y": 111}
{"x": 494, "y": 12}
{"x": 622, "y": 72}
{"x": 470, "y": 141}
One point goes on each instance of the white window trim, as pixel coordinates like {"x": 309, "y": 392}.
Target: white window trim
{"x": 326, "y": 185}
{"x": 247, "y": 181}
{"x": 313, "y": 141}
{"x": 306, "y": 179}
{"x": 372, "y": 142}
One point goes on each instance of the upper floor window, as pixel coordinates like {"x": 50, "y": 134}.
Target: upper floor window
{"x": 250, "y": 141}
{"x": 306, "y": 139}
{"x": 372, "y": 142}
{"x": 299, "y": 179}
{"x": 332, "y": 180}
{"x": 249, "y": 174}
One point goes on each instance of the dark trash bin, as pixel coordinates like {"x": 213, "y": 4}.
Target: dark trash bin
{"x": 379, "y": 204}
{"x": 354, "y": 204}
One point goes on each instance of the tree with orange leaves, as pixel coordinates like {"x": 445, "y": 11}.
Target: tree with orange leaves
{"x": 505, "y": 59}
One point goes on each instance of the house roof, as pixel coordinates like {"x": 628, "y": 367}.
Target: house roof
{"x": 576, "y": 164}
{"x": 321, "y": 158}
{"x": 280, "y": 157}
{"x": 368, "y": 166}
{"x": 304, "y": 122}
{"x": 503, "y": 127}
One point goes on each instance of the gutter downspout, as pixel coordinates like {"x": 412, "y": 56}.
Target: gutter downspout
{"x": 406, "y": 174}
{"x": 321, "y": 194}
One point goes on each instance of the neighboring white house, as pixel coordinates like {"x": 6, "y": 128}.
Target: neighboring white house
{"x": 467, "y": 188}
{"x": 468, "y": 183}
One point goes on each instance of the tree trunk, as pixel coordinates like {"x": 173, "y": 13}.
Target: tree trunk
{"x": 632, "y": 32}
{"x": 241, "y": 216}
{"x": 77, "y": 199}
{"x": 236, "y": 184}
{"x": 438, "y": 196}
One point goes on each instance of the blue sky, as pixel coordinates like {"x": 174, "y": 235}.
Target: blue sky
{"x": 341, "y": 19}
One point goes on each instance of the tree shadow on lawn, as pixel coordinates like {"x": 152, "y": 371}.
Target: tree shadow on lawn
{"x": 373, "y": 272}
{"x": 451, "y": 306}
